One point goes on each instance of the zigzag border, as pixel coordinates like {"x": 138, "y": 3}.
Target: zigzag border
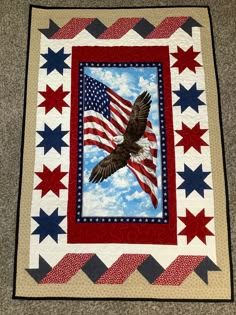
{"x": 119, "y": 28}
{"x": 122, "y": 268}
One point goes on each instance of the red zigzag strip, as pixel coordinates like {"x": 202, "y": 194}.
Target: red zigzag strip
{"x": 179, "y": 270}
{"x": 167, "y": 27}
{"x": 121, "y": 269}
{"x": 66, "y": 268}
{"x": 72, "y": 28}
{"x": 118, "y": 29}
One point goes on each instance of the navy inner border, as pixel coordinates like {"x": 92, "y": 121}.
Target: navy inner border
{"x": 79, "y": 199}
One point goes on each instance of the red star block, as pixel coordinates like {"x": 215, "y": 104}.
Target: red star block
{"x": 191, "y": 137}
{"x": 51, "y": 180}
{"x": 186, "y": 59}
{"x": 196, "y": 226}
{"x": 54, "y": 99}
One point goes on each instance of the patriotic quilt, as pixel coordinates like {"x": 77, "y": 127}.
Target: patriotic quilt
{"x": 122, "y": 182}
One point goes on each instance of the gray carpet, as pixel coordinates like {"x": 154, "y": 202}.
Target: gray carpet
{"x": 13, "y": 39}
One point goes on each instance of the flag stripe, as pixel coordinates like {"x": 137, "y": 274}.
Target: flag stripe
{"x": 117, "y": 125}
{"x": 149, "y": 163}
{"x": 149, "y": 124}
{"x": 148, "y": 129}
{"x": 99, "y": 139}
{"x": 153, "y": 152}
{"x": 96, "y": 126}
{"x": 99, "y": 128}
{"x": 145, "y": 171}
{"x": 119, "y": 98}
{"x": 144, "y": 179}
{"x": 119, "y": 121}
{"x": 97, "y": 133}
{"x": 118, "y": 114}
{"x": 118, "y": 104}
{"x": 146, "y": 187}
{"x": 150, "y": 136}
{"x": 102, "y": 123}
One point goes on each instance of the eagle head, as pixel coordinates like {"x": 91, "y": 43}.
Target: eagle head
{"x": 118, "y": 139}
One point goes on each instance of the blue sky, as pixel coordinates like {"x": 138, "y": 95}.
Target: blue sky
{"x": 120, "y": 194}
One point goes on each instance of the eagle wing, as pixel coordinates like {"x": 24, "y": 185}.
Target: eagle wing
{"x": 138, "y": 117}
{"x": 110, "y": 164}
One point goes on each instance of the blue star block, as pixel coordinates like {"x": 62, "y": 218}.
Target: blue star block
{"x": 52, "y": 139}
{"x": 48, "y": 225}
{"x": 55, "y": 61}
{"x": 194, "y": 180}
{"x": 189, "y": 98}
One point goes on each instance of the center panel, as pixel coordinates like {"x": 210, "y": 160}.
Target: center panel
{"x": 134, "y": 192}
{"x": 124, "y": 228}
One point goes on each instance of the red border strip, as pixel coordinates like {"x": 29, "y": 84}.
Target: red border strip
{"x": 119, "y": 28}
{"x": 66, "y": 268}
{"x": 133, "y": 233}
{"x": 72, "y": 28}
{"x": 174, "y": 275}
{"x": 167, "y": 27}
{"x": 122, "y": 268}
{"x": 179, "y": 270}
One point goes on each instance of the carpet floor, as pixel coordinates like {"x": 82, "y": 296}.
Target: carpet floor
{"x": 13, "y": 38}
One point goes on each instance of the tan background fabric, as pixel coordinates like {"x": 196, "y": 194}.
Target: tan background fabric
{"x": 14, "y": 15}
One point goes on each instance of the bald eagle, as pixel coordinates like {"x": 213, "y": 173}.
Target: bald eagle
{"x": 130, "y": 145}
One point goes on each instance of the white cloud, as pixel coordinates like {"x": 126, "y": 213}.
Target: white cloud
{"x": 146, "y": 204}
{"x": 147, "y": 85}
{"x": 159, "y": 215}
{"x": 140, "y": 69}
{"x": 159, "y": 181}
{"x": 153, "y": 113}
{"x": 120, "y": 182}
{"x": 86, "y": 176}
{"x": 120, "y": 178}
{"x": 90, "y": 149}
{"x": 136, "y": 195}
{"x": 142, "y": 214}
{"x": 121, "y": 83}
{"x": 99, "y": 202}
{"x": 132, "y": 179}
{"x": 93, "y": 154}
{"x": 153, "y": 77}
{"x": 94, "y": 159}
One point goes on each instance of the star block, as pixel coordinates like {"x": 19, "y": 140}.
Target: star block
{"x": 188, "y": 98}
{"x": 55, "y": 61}
{"x": 51, "y": 180}
{"x": 48, "y": 225}
{"x": 191, "y": 137}
{"x": 54, "y": 99}
{"x": 196, "y": 226}
{"x": 194, "y": 180}
{"x": 186, "y": 59}
{"x": 52, "y": 139}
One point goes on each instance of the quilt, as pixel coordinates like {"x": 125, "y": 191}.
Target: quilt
{"x": 122, "y": 180}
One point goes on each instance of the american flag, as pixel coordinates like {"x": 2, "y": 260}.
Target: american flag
{"x": 106, "y": 115}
